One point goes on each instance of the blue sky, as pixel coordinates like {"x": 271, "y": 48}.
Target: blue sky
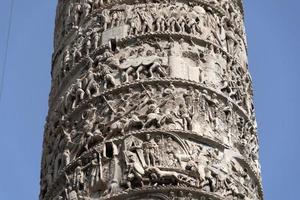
{"x": 272, "y": 27}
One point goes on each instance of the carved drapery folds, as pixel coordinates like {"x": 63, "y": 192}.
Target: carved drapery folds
{"x": 150, "y": 100}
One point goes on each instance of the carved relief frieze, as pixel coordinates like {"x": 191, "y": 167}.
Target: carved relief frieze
{"x": 150, "y": 100}
{"x": 162, "y": 107}
{"x": 206, "y": 65}
{"x": 192, "y": 19}
{"x": 77, "y": 12}
{"x": 149, "y": 160}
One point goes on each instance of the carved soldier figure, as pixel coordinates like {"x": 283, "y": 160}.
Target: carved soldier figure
{"x": 88, "y": 45}
{"x": 66, "y": 157}
{"x": 79, "y": 177}
{"x": 76, "y": 14}
{"x": 67, "y": 59}
{"x": 147, "y": 21}
{"x": 182, "y": 22}
{"x": 105, "y": 19}
{"x": 231, "y": 41}
{"x": 115, "y": 19}
{"x": 92, "y": 88}
{"x": 135, "y": 170}
{"x": 157, "y": 66}
{"x": 96, "y": 171}
{"x": 76, "y": 54}
{"x": 68, "y": 21}
{"x": 134, "y": 24}
{"x": 95, "y": 38}
{"x": 150, "y": 148}
{"x": 185, "y": 114}
{"x": 86, "y": 7}
{"x": 160, "y": 22}
{"x": 79, "y": 93}
{"x": 209, "y": 180}
{"x": 192, "y": 25}
{"x": 106, "y": 75}
{"x": 172, "y": 23}
{"x": 153, "y": 117}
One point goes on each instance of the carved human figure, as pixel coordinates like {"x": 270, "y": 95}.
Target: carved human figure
{"x": 181, "y": 22}
{"x": 116, "y": 19}
{"x": 231, "y": 41}
{"x": 209, "y": 180}
{"x": 134, "y": 24}
{"x": 96, "y": 169}
{"x": 192, "y": 25}
{"x": 92, "y": 87}
{"x": 88, "y": 45}
{"x": 185, "y": 114}
{"x": 67, "y": 59}
{"x": 157, "y": 66}
{"x": 153, "y": 116}
{"x": 79, "y": 177}
{"x": 86, "y": 7}
{"x": 212, "y": 72}
{"x": 135, "y": 170}
{"x": 171, "y": 23}
{"x": 76, "y": 54}
{"x": 147, "y": 21}
{"x": 77, "y": 10}
{"x": 105, "y": 18}
{"x": 150, "y": 149}
{"x": 160, "y": 22}
{"x": 95, "y": 38}
{"x": 106, "y": 75}
{"x": 66, "y": 157}
{"x": 79, "y": 93}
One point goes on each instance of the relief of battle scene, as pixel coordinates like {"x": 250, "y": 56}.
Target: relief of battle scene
{"x": 150, "y": 107}
{"x": 78, "y": 11}
{"x": 157, "y": 160}
{"x": 147, "y": 59}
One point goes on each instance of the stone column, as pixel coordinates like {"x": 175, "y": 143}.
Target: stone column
{"x": 150, "y": 100}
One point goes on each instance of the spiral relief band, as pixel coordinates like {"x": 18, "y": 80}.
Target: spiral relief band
{"x": 150, "y": 100}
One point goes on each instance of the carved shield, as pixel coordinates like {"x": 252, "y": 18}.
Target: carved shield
{"x": 149, "y": 60}
{"x": 125, "y": 65}
{"x": 137, "y": 62}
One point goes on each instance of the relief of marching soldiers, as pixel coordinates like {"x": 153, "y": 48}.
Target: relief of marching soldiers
{"x": 150, "y": 59}
{"x": 78, "y": 10}
{"x": 194, "y": 19}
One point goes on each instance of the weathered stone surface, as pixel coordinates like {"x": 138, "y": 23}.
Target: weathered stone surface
{"x": 150, "y": 100}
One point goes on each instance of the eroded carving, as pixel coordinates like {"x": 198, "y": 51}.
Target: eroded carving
{"x": 150, "y": 100}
